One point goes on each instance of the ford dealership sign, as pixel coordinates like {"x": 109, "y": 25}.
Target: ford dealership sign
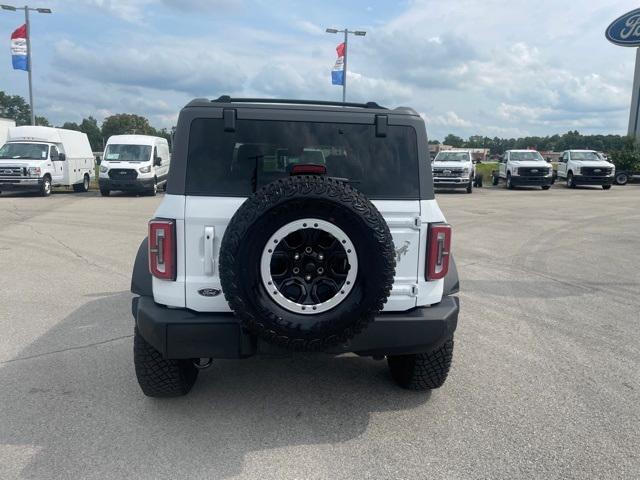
{"x": 625, "y": 30}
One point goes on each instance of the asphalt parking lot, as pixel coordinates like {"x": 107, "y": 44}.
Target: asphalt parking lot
{"x": 545, "y": 381}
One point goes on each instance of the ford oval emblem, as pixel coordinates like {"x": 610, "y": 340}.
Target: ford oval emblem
{"x": 209, "y": 292}
{"x": 625, "y": 30}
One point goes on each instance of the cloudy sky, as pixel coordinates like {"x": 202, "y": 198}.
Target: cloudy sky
{"x": 487, "y": 67}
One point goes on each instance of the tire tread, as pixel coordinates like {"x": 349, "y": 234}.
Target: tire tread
{"x": 158, "y": 376}
{"x": 278, "y": 194}
{"x": 422, "y": 371}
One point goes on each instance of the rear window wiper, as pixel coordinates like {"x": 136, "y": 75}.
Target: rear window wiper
{"x": 346, "y": 180}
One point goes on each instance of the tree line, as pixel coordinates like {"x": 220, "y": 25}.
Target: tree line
{"x": 15, "y": 107}
{"x": 622, "y": 148}
{"x": 556, "y": 143}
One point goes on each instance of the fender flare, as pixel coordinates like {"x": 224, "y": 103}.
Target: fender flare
{"x": 451, "y": 281}
{"x": 141, "y": 283}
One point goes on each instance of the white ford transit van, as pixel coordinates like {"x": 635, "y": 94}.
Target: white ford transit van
{"x": 134, "y": 163}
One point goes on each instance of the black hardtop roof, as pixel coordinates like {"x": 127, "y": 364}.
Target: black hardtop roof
{"x": 297, "y": 104}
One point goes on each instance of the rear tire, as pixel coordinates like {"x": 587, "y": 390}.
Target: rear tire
{"x": 606, "y": 187}
{"x": 82, "y": 187}
{"x": 495, "y": 180}
{"x": 622, "y": 178}
{"x": 157, "y": 376}
{"x": 470, "y": 186}
{"x": 422, "y": 371}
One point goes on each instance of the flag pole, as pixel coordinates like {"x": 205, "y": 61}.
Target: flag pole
{"x": 345, "y": 53}
{"x": 26, "y": 21}
{"x": 344, "y": 79}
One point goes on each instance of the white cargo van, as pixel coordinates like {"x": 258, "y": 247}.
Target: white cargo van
{"x": 134, "y": 163}
{"x": 5, "y": 125}
{"x": 39, "y": 158}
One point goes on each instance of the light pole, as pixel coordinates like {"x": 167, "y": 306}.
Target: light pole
{"x": 28, "y": 9}
{"x": 359, "y": 33}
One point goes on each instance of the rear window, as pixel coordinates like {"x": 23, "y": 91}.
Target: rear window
{"x": 261, "y": 151}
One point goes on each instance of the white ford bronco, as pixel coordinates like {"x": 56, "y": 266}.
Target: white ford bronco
{"x": 295, "y": 225}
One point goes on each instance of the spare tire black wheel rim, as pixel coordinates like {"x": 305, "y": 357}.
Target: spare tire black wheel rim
{"x": 309, "y": 266}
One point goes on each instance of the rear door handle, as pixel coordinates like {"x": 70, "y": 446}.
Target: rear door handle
{"x": 209, "y": 239}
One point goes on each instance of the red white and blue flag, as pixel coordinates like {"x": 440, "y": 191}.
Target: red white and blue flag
{"x": 337, "y": 73}
{"x": 19, "y": 54}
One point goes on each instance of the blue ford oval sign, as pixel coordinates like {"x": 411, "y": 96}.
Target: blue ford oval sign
{"x": 625, "y": 30}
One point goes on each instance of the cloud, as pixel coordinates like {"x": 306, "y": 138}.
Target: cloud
{"x": 205, "y": 6}
{"x": 471, "y": 67}
{"x": 185, "y": 65}
{"x": 420, "y": 59}
{"x": 308, "y": 27}
{"x": 136, "y": 10}
{"x": 448, "y": 119}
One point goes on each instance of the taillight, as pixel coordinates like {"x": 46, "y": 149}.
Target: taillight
{"x": 438, "y": 251}
{"x": 162, "y": 249}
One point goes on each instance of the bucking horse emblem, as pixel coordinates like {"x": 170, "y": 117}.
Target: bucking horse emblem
{"x": 403, "y": 250}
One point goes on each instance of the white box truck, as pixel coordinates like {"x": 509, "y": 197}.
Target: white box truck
{"x": 39, "y": 158}
{"x": 5, "y": 125}
{"x": 134, "y": 163}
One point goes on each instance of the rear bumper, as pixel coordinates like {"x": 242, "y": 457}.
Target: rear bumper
{"x": 585, "y": 180}
{"x": 518, "y": 180}
{"x": 15, "y": 184}
{"x": 182, "y": 333}
{"x": 126, "y": 185}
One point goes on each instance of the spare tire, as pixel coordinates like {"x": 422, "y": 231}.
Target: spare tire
{"x": 306, "y": 262}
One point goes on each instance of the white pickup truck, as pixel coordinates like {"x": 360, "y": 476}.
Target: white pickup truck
{"x": 523, "y": 167}
{"x": 585, "y": 167}
{"x": 454, "y": 169}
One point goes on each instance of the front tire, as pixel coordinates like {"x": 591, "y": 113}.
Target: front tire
{"x": 571, "y": 183}
{"x": 509, "y": 182}
{"x": 470, "y": 186}
{"x": 606, "y": 187}
{"x": 157, "y": 376}
{"x": 45, "y": 188}
{"x": 153, "y": 191}
{"x": 422, "y": 371}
